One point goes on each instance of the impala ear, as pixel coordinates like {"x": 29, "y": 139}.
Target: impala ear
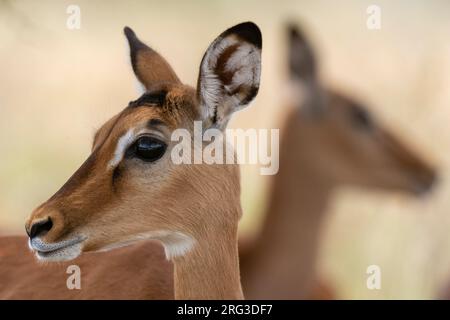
{"x": 306, "y": 89}
{"x": 302, "y": 59}
{"x": 229, "y": 73}
{"x": 149, "y": 67}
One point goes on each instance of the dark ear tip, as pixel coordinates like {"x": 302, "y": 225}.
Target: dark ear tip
{"x": 129, "y": 33}
{"x": 292, "y": 30}
{"x": 133, "y": 40}
{"x": 295, "y": 33}
{"x": 248, "y": 31}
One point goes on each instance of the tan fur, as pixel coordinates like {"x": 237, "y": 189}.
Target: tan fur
{"x": 115, "y": 203}
{"x": 328, "y": 140}
{"x": 156, "y": 71}
{"x": 89, "y": 200}
{"x": 318, "y": 154}
{"x": 316, "y": 157}
{"x": 104, "y": 275}
{"x": 288, "y": 245}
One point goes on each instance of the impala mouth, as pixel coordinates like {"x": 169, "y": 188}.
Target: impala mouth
{"x": 58, "y": 251}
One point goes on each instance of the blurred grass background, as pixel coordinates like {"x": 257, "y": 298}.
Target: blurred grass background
{"x": 58, "y": 85}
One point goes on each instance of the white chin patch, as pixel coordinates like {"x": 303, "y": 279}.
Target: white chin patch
{"x": 175, "y": 243}
{"x": 64, "y": 254}
{"x": 58, "y": 251}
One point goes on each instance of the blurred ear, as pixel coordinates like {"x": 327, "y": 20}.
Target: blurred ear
{"x": 306, "y": 88}
{"x": 302, "y": 60}
{"x": 229, "y": 73}
{"x": 149, "y": 67}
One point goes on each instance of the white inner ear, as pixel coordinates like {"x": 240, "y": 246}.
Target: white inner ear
{"x": 211, "y": 86}
{"x": 244, "y": 63}
{"x": 140, "y": 88}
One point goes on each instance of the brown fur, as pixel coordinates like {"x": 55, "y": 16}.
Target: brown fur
{"x": 326, "y": 143}
{"x": 117, "y": 204}
{"x": 318, "y": 154}
{"x": 104, "y": 275}
{"x": 288, "y": 246}
{"x": 316, "y": 157}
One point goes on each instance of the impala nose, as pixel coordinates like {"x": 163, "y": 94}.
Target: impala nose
{"x": 39, "y": 227}
{"x": 426, "y": 179}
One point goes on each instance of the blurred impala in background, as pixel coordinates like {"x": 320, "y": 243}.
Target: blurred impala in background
{"x": 58, "y": 84}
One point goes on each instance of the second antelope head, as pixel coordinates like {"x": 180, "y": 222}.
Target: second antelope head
{"x": 128, "y": 188}
{"x": 339, "y": 138}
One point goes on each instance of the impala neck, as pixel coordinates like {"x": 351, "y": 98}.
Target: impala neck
{"x": 211, "y": 269}
{"x": 286, "y": 251}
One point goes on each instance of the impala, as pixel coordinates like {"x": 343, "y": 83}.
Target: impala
{"x": 128, "y": 189}
{"x": 329, "y": 140}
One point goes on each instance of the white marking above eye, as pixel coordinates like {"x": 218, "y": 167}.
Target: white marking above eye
{"x": 125, "y": 141}
{"x": 122, "y": 144}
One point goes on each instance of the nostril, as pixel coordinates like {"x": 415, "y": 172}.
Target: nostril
{"x": 434, "y": 180}
{"x": 430, "y": 178}
{"x": 427, "y": 182}
{"x": 40, "y": 227}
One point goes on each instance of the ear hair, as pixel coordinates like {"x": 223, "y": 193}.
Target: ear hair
{"x": 302, "y": 59}
{"x": 230, "y": 73}
{"x": 303, "y": 72}
{"x": 149, "y": 67}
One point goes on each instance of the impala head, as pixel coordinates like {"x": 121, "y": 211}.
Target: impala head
{"x": 346, "y": 143}
{"x": 129, "y": 188}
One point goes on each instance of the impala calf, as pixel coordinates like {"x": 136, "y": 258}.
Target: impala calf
{"x": 328, "y": 140}
{"x": 129, "y": 189}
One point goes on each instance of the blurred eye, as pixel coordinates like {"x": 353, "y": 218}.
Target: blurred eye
{"x": 361, "y": 118}
{"x": 147, "y": 148}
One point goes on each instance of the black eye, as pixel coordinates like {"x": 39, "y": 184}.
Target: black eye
{"x": 361, "y": 118}
{"x": 148, "y": 149}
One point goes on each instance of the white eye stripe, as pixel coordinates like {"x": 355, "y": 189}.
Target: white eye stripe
{"x": 122, "y": 145}
{"x": 127, "y": 140}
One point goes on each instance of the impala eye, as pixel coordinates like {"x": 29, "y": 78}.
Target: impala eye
{"x": 147, "y": 148}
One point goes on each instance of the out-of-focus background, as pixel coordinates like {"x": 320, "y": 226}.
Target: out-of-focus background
{"x": 58, "y": 85}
